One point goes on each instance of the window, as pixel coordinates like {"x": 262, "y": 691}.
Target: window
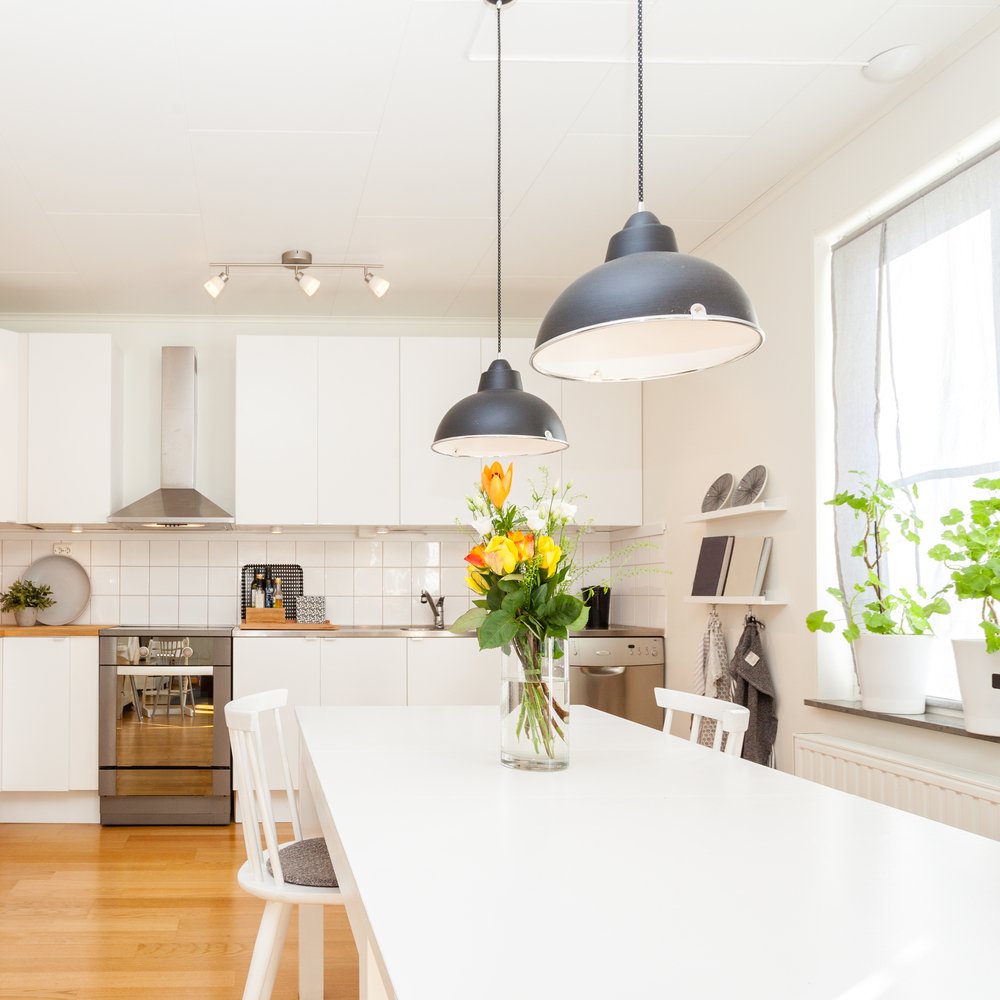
{"x": 916, "y": 372}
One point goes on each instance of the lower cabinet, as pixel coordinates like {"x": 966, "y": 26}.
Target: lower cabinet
{"x": 49, "y": 714}
{"x": 363, "y": 671}
{"x": 263, "y": 664}
{"x": 451, "y": 672}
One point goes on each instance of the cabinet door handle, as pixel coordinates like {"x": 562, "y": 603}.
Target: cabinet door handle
{"x": 311, "y": 638}
{"x": 59, "y": 638}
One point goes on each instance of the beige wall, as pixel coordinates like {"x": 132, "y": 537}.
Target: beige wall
{"x": 771, "y": 409}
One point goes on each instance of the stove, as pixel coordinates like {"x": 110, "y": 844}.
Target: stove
{"x": 164, "y": 745}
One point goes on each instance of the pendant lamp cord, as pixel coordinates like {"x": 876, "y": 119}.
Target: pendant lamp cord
{"x": 499, "y": 217}
{"x": 639, "y": 37}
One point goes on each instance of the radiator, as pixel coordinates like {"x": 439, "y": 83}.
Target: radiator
{"x": 969, "y": 800}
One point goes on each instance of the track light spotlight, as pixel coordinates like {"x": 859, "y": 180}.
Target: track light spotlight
{"x": 307, "y": 282}
{"x": 214, "y": 286}
{"x": 378, "y": 285}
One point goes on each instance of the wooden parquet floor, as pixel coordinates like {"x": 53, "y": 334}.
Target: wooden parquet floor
{"x": 102, "y": 913}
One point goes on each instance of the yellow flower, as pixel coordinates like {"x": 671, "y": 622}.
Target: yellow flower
{"x": 476, "y": 581}
{"x": 524, "y": 543}
{"x": 548, "y": 553}
{"x": 501, "y": 555}
{"x": 496, "y": 482}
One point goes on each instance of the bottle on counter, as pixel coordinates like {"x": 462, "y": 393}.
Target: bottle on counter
{"x": 269, "y": 590}
{"x": 279, "y": 601}
{"x": 257, "y": 591}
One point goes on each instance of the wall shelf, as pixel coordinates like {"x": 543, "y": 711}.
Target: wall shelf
{"x": 756, "y": 602}
{"x": 764, "y": 507}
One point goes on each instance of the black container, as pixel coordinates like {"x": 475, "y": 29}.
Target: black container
{"x": 598, "y": 599}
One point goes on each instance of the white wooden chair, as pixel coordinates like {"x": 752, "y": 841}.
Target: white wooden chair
{"x": 731, "y": 718}
{"x": 296, "y": 873}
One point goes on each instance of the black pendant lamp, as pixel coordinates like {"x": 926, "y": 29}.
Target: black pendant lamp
{"x": 500, "y": 419}
{"x": 647, "y": 311}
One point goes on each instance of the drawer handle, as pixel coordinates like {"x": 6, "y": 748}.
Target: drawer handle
{"x": 603, "y": 671}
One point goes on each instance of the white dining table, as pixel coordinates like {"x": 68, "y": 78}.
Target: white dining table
{"x": 650, "y": 867}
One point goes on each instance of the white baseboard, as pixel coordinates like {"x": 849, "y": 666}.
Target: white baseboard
{"x": 50, "y": 807}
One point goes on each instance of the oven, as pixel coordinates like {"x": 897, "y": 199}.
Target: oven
{"x": 164, "y": 746}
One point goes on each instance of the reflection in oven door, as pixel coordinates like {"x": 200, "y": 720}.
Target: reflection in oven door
{"x": 164, "y": 751}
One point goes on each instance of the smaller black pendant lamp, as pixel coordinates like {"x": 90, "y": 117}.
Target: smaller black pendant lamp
{"x": 647, "y": 311}
{"x": 500, "y": 419}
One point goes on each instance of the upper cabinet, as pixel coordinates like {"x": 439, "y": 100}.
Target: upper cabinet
{"x": 435, "y": 373}
{"x": 358, "y": 460}
{"x": 276, "y": 430}
{"x": 338, "y": 430}
{"x": 13, "y": 401}
{"x": 74, "y": 428}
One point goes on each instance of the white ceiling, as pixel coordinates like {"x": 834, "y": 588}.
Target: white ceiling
{"x": 141, "y": 141}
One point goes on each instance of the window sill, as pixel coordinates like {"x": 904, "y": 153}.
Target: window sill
{"x": 953, "y": 725}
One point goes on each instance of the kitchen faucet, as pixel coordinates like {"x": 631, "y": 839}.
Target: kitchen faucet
{"x": 437, "y": 608}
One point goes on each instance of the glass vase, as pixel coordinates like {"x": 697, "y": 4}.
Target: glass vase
{"x": 534, "y": 704}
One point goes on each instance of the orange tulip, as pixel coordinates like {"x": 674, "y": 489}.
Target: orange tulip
{"x": 496, "y": 483}
{"x": 500, "y": 555}
{"x": 475, "y": 557}
{"x": 523, "y": 543}
{"x": 548, "y": 553}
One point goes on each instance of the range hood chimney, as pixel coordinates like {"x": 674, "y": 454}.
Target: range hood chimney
{"x": 176, "y": 504}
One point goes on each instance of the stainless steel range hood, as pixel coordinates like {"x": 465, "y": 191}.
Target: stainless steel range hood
{"x": 176, "y": 504}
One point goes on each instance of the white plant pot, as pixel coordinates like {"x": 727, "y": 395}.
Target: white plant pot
{"x": 24, "y": 617}
{"x": 979, "y": 680}
{"x": 893, "y": 672}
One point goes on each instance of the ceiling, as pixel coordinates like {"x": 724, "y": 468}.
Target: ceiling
{"x": 141, "y": 141}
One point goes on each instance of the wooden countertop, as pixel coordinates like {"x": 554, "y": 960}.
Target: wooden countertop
{"x": 40, "y": 631}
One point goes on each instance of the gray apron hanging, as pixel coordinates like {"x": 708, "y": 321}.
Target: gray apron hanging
{"x": 755, "y": 691}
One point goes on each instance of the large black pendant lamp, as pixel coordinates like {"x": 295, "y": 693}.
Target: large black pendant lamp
{"x": 647, "y": 311}
{"x": 501, "y": 418}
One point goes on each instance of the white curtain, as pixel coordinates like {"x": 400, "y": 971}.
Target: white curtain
{"x": 916, "y": 370}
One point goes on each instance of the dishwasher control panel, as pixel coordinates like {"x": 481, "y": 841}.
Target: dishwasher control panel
{"x": 615, "y": 650}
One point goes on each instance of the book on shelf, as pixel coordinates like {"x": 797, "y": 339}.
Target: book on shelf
{"x": 747, "y": 566}
{"x": 713, "y": 565}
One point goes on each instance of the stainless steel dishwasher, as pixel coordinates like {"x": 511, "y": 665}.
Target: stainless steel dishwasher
{"x": 617, "y": 674}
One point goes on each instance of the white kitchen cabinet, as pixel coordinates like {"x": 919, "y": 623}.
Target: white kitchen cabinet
{"x": 13, "y": 413}
{"x": 276, "y": 430}
{"x": 435, "y": 373}
{"x": 74, "y": 432}
{"x": 604, "y": 460}
{"x": 451, "y": 672}
{"x": 49, "y": 712}
{"x": 359, "y": 671}
{"x": 263, "y": 663}
{"x": 358, "y": 453}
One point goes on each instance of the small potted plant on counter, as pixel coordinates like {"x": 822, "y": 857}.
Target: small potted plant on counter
{"x": 973, "y": 555}
{"x": 891, "y": 635}
{"x": 25, "y": 599}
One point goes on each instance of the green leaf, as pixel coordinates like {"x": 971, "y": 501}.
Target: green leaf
{"x": 480, "y": 604}
{"x": 514, "y": 601}
{"x": 581, "y": 621}
{"x": 953, "y": 517}
{"x": 472, "y": 618}
{"x": 498, "y": 629}
{"x": 839, "y": 594}
{"x": 507, "y": 584}
{"x": 817, "y": 622}
{"x": 852, "y": 632}
{"x": 494, "y": 598}
{"x": 563, "y": 609}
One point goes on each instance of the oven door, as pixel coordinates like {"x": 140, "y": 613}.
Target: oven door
{"x": 162, "y": 732}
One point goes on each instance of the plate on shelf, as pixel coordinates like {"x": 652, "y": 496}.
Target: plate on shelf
{"x": 718, "y": 493}
{"x": 70, "y": 588}
{"x": 750, "y": 486}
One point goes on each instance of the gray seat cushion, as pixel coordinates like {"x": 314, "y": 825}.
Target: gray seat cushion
{"x": 307, "y": 862}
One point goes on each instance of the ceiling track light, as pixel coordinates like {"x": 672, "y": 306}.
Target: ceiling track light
{"x": 501, "y": 419}
{"x": 298, "y": 261}
{"x": 648, "y": 311}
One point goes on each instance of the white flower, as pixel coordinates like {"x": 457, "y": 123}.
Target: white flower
{"x": 543, "y": 509}
{"x": 535, "y": 521}
{"x": 480, "y": 504}
{"x": 566, "y": 510}
{"x": 484, "y": 525}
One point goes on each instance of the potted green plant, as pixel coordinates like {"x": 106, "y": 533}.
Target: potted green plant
{"x": 973, "y": 555}
{"x": 25, "y": 598}
{"x": 890, "y": 632}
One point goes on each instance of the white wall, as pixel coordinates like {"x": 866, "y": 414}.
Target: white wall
{"x": 764, "y": 409}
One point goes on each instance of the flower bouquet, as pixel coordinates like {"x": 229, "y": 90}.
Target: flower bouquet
{"x": 521, "y": 572}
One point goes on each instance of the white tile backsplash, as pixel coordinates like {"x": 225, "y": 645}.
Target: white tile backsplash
{"x": 365, "y": 582}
